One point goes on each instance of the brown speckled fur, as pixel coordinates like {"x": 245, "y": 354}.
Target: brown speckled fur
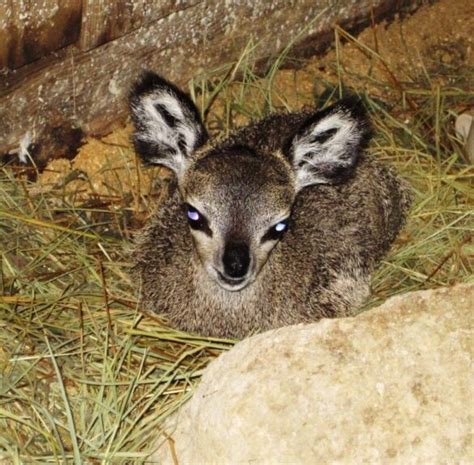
{"x": 320, "y": 268}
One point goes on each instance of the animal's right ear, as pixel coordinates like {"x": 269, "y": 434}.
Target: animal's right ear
{"x": 326, "y": 148}
{"x": 168, "y": 127}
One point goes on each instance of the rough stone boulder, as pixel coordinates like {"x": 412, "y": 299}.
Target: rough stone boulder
{"x": 390, "y": 386}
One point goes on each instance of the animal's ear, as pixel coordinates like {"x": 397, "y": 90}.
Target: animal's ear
{"x": 168, "y": 127}
{"x": 326, "y": 147}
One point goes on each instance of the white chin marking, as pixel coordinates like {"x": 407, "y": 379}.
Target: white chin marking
{"x": 214, "y": 275}
{"x": 231, "y": 288}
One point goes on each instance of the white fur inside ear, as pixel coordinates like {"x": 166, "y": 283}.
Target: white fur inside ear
{"x": 180, "y": 136}
{"x": 309, "y": 153}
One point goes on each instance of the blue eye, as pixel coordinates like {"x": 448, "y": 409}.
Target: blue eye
{"x": 193, "y": 214}
{"x": 197, "y": 220}
{"x": 281, "y": 226}
{"x": 276, "y": 232}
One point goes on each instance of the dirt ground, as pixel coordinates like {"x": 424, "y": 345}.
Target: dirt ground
{"x": 435, "y": 41}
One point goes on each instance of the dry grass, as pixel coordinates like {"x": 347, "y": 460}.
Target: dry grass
{"x": 84, "y": 373}
{"x": 85, "y": 376}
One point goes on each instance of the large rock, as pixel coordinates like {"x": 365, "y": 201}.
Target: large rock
{"x": 390, "y": 386}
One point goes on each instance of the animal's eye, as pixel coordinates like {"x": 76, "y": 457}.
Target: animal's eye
{"x": 193, "y": 214}
{"x": 197, "y": 220}
{"x": 281, "y": 226}
{"x": 276, "y": 231}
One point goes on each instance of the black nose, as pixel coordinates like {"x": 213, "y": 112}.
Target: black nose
{"x": 236, "y": 259}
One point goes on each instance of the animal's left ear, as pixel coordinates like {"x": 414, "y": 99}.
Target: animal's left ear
{"x": 326, "y": 148}
{"x": 168, "y": 128}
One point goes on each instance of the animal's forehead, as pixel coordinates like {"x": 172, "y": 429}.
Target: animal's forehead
{"x": 241, "y": 179}
{"x": 237, "y": 165}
